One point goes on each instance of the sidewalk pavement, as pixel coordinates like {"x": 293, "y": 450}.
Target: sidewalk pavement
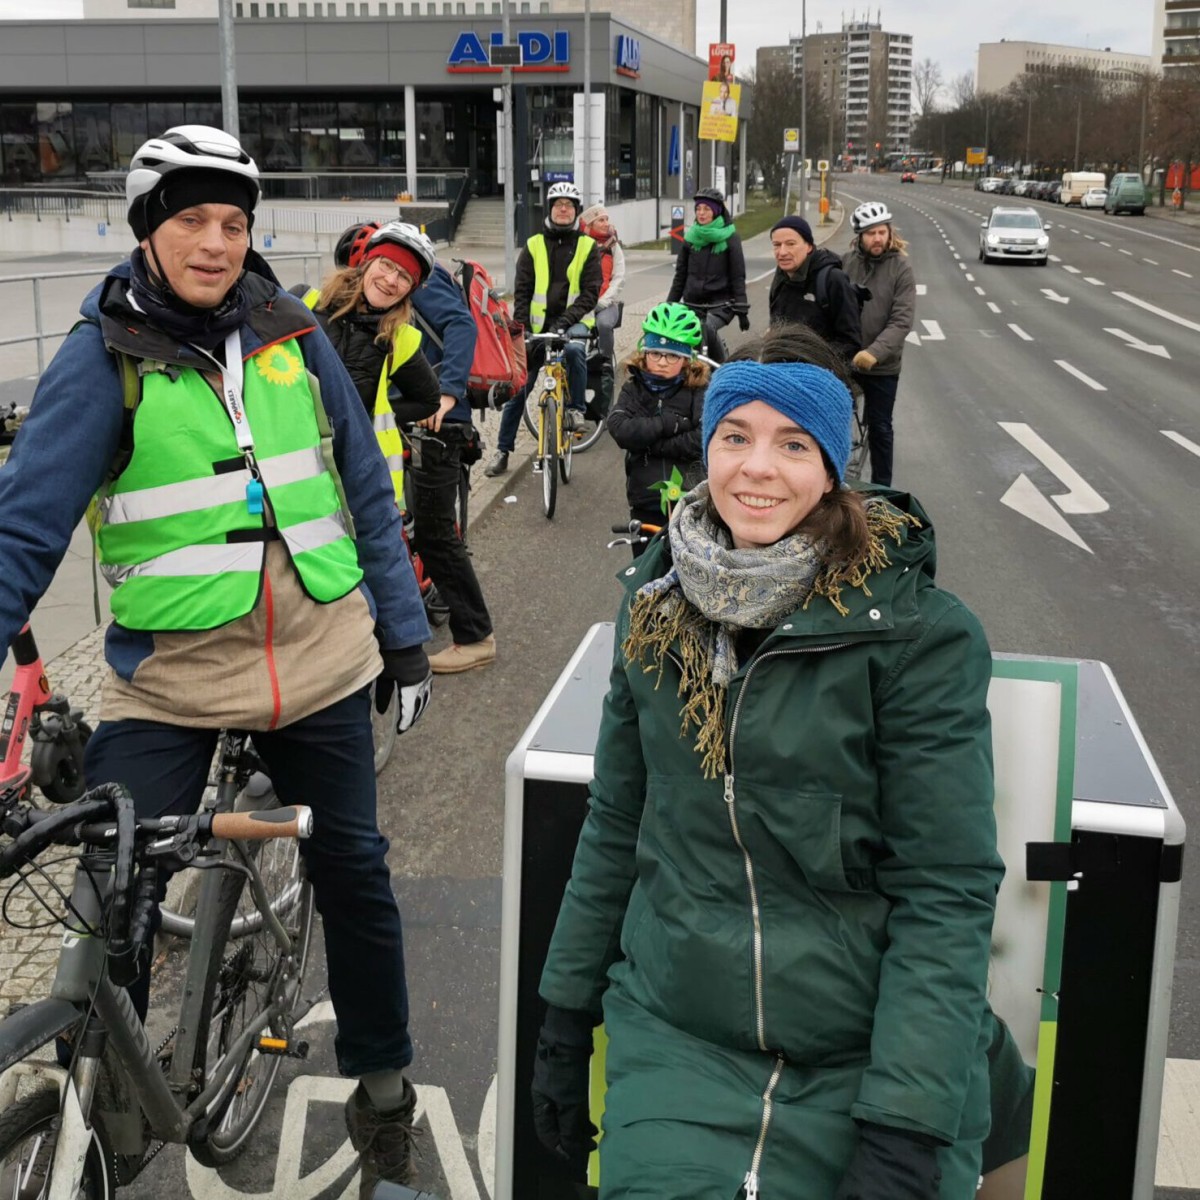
{"x": 72, "y": 644}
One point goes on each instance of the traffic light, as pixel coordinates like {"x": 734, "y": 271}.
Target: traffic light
{"x": 849, "y": 145}
{"x": 876, "y": 145}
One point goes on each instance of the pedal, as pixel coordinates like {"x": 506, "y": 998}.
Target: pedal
{"x": 282, "y": 1048}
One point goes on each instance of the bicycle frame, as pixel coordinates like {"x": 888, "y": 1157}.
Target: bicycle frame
{"x": 30, "y": 691}
{"x": 554, "y": 386}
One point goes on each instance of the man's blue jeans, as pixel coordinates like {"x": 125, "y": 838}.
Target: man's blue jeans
{"x": 575, "y": 358}
{"x": 327, "y": 762}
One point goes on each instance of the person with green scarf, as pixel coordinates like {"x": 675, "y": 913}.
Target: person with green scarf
{"x": 710, "y": 272}
{"x": 781, "y": 902}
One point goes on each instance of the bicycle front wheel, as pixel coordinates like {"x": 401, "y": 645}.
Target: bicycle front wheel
{"x": 383, "y": 730}
{"x": 28, "y": 1137}
{"x": 550, "y": 457}
{"x": 244, "y": 976}
{"x": 529, "y": 413}
{"x": 858, "y": 442}
{"x": 568, "y": 450}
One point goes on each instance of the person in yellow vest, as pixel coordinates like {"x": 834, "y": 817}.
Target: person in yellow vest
{"x": 246, "y": 521}
{"x": 559, "y": 277}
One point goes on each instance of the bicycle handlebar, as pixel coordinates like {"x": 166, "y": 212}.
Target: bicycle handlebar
{"x": 295, "y": 821}
{"x": 636, "y": 527}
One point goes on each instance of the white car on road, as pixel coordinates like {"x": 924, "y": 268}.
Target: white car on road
{"x": 1093, "y": 198}
{"x": 1014, "y": 233}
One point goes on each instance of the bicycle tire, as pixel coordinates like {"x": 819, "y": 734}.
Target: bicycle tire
{"x": 240, "y": 983}
{"x": 857, "y": 459}
{"x": 529, "y": 410}
{"x": 28, "y": 1127}
{"x": 383, "y": 730}
{"x": 565, "y": 458}
{"x": 550, "y": 458}
{"x": 588, "y": 440}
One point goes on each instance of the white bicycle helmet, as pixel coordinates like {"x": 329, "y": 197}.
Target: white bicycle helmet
{"x": 194, "y": 147}
{"x": 564, "y": 191}
{"x": 401, "y": 233}
{"x": 868, "y": 214}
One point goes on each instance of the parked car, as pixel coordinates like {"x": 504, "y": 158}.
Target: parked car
{"x": 1052, "y": 190}
{"x": 1014, "y": 233}
{"x": 1093, "y": 198}
{"x": 1126, "y": 193}
{"x": 908, "y": 177}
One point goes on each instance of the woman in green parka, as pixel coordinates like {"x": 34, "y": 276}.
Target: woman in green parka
{"x": 782, "y": 898}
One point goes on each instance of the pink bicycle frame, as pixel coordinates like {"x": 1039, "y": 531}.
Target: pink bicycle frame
{"x": 29, "y": 690}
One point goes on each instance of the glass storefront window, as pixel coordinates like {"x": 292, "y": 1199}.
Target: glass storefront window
{"x": 93, "y": 138}
{"x": 553, "y": 115}
{"x": 161, "y": 117}
{"x": 129, "y": 130}
{"x": 643, "y": 146}
{"x": 279, "y": 137}
{"x": 358, "y": 135}
{"x": 204, "y": 112}
{"x": 318, "y": 136}
{"x": 18, "y": 137}
{"x": 436, "y": 140}
{"x": 56, "y": 139}
{"x": 391, "y": 135}
{"x": 612, "y": 145}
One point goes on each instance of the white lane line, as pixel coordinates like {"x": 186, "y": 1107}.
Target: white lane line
{"x": 1187, "y": 444}
{"x": 921, "y": 289}
{"x": 933, "y": 332}
{"x": 1178, "y": 1164}
{"x": 1161, "y": 312}
{"x": 1070, "y": 370}
{"x": 1095, "y": 282}
{"x": 1122, "y": 250}
{"x": 1020, "y": 333}
{"x": 1177, "y": 271}
{"x": 962, "y": 266}
{"x": 969, "y": 277}
{"x": 956, "y": 254}
{"x": 979, "y": 291}
{"x": 993, "y": 306}
{"x": 1150, "y": 261}
{"x": 1055, "y": 258}
{"x": 1108, "y": 244}
{"x": 1074, "y": 230}
{"x": 1089, "y": 237}
{"x": 1072, "y": 270}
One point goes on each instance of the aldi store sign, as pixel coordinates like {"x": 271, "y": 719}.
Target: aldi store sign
{"x": 629, "y": 56}
{"x": 539, "y": 52}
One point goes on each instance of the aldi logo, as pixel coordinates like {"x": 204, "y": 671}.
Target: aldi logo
{"x": 629, "y": 56}
{"x": 539, "y": 52}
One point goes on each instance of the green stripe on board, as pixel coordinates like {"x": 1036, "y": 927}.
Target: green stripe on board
{"x": 1043, "y": 1094}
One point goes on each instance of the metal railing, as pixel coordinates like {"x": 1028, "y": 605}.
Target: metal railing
{"x": 41, "y": 336}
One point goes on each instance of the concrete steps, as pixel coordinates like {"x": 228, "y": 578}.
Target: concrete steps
{"x": 482, "y": 223}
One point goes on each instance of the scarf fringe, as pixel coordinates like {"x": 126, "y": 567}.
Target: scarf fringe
{"x": 660, "y": 620}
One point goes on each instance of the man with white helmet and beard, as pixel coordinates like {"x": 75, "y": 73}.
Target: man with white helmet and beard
{"x": 878, "y": 261}
{"x": 558, "y": 283}
{"x": 246, "y": 521}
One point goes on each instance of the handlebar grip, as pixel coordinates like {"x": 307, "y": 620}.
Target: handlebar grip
{"x": 295, "y": 821}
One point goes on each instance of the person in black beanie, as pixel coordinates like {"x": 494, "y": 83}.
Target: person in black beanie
{"x": 810, "y": 288}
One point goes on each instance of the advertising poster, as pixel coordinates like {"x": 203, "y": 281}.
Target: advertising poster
{"x": 720, "y": 62}
{"x": 719, "y": 111}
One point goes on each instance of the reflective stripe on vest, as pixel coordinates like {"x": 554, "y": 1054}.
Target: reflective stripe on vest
{"x": 176, "y": 536}
{"x": 406, "y": 341}
{"x": 541, "y": 279}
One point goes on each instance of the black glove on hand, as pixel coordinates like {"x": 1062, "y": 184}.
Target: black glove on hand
{"x": 409, "y": 671}
{"x": 561, "y": 1089}
{"x": 744, "y": 322}
{"x": 892, "y": 1164}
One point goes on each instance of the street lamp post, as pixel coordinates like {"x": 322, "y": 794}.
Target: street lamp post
{"x": 803, "y": 104}
{"x": 1028, "y": 128}
{"x": 1078, "y": 127}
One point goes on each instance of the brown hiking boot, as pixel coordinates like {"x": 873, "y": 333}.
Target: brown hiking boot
{"x": 458, "y": 658}
{"x": 384, "y": 1140}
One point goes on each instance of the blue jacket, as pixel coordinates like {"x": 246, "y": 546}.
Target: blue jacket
{"x": 72, "y": 435}
{"x": 440, "y": 306}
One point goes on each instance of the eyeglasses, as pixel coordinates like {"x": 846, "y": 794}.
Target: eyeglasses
{"x": 389, "y": 270}
{"x": 663, "y": 356}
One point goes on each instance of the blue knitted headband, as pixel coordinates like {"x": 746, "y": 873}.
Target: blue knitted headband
{"x": 811, "y": 396}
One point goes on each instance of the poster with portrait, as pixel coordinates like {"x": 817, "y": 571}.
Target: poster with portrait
{"x": 721, "y": 56}
{"x": 719, "y": 106}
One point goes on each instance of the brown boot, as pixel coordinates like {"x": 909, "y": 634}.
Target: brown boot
{"x": 458, "y": 658}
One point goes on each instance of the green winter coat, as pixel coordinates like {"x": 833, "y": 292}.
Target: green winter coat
{"x": 860, "y": 784}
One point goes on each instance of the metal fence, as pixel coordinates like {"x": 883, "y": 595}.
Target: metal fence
{"x": 41, "y": 335}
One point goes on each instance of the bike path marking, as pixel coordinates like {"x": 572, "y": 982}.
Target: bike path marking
{"x": 1070, "y": 370}
{"x": 1187, "y": 444}
{"x": 1135, "y": 343}
{"x": 1020, "y": 332}
{"x": 933, "y": 333}
{"x": 1051, "y": 294}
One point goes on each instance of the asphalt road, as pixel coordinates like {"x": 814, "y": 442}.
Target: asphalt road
{"x": 1112, "y": 573}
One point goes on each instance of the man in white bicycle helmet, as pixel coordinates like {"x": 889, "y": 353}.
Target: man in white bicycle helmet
{"x": 559, "y": 277}
{"x": 248, "y": 527}
{"x": 878, "y": 261}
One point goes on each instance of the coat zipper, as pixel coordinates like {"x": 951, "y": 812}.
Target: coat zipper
{"x": 750, "y": 1185}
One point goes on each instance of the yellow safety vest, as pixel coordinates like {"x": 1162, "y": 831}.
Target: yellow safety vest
{"x": 541, "y": 278}
{"x": 406, "y": 341}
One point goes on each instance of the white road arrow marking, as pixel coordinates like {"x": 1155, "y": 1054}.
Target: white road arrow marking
{"x": 1138, "y": 344}
{"x": 1051, "y": 294}
{"x": 1093, "y": 282}
{"x": 1158, "y": 312}
{"x": 1180, "y": 440}
{"x": 921, "y": 289}
{"x": 912, "y": 338}
{"x": 1020, "y": 333}
{"x": 1070, "y": 370}
{"x": 933, "y": 332}
{"x": 1072, "y": 270}
{"x": 1024, "y": 497}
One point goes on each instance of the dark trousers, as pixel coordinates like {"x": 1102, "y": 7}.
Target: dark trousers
{"x": 714, "y": 321}
{"x": 575, "y": 362}
{"x": 879, "y": 398}
{"x": 438, "y": 541}
{"x": 327, "y": 762}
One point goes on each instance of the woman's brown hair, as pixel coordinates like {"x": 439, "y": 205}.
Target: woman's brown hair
{"x": 342, "y": 293}
{"x": 840, "y": 517}
{"x": 695, "y": 374}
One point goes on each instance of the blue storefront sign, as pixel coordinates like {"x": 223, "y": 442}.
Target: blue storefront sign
{"x": 558, "y": 176}
{"x": 629, "y": 56}
{"x": 673, "y": 153}
{"x": 539, "y": 52}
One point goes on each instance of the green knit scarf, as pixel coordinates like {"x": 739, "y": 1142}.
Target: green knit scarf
{"x": 715, "y": 234}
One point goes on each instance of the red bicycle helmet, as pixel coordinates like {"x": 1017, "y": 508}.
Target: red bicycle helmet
{"x": 352, "y": 245}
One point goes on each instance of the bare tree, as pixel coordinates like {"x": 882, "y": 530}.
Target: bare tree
{"x": 927, "y": 82}
{"x": 777, "y": 106}
{"x": 962, "y": 90}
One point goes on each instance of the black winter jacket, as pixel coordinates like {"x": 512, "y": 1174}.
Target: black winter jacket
{"x": 657, "y": 433}
{"x": 793, "y": 301}
{"x": 413, "y": 391}
{"x": 560, "y": 249}
{"x": 704, "y": 277}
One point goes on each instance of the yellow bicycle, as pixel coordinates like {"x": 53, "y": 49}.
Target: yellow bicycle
{"x": 555, "y": 436}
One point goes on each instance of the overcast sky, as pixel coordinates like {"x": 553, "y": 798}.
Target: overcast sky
{"x": 948, "y": 31}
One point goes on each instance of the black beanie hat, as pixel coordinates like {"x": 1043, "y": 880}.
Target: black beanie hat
{"x": 798, "y": 225}
{"x": 186, "y": 189}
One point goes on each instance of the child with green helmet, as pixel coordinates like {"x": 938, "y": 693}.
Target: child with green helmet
{"x": 656, "y": 419}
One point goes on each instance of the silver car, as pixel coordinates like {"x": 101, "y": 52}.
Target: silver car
{"x": 1014, "y": 233}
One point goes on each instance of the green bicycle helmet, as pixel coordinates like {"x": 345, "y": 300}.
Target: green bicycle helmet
{"x": 673, "y": 328}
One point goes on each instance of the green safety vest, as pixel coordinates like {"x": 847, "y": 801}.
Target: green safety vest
{"x": 541, "y": 279}
{"x": 174, "y": 532}
{"x": 406, "y": 341}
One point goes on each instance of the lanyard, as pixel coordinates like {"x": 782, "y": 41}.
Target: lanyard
{"x": 231, "y": 396}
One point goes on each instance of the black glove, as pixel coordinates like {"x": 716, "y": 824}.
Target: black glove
{"x": 561, "y": 1087}
{"x": 892, "y": 1164}
{"x": 744, "y": 322}
{"x": 409, "y": 671}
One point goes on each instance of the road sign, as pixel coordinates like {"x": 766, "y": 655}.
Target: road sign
{"x": 822, "y": 164}
{"x": 676, "y": 213}
{"x": 791, "y": 141}
{"x": 505, "y": 55}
